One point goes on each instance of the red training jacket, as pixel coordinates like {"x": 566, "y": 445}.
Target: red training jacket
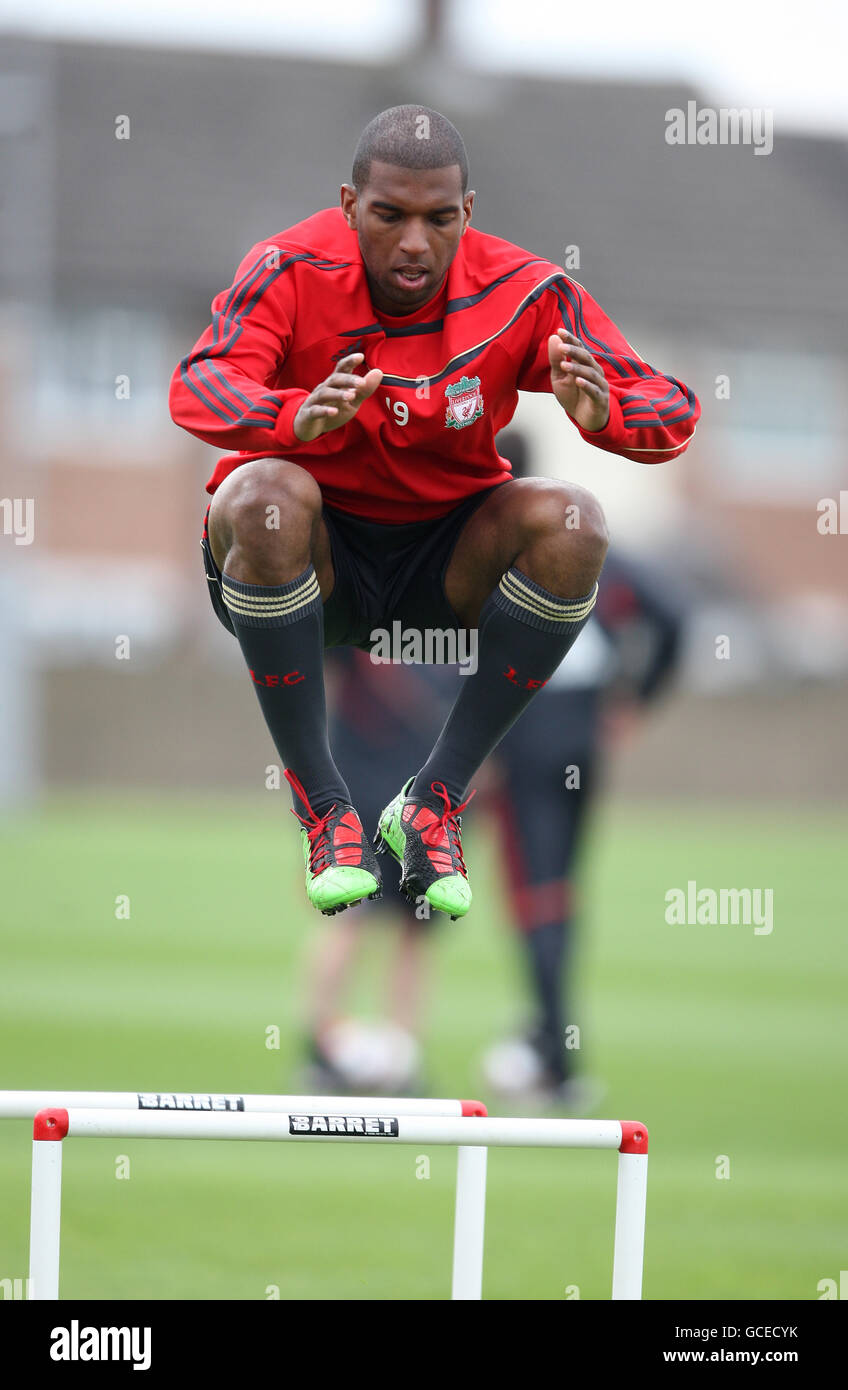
{"x": 426, "y": 439}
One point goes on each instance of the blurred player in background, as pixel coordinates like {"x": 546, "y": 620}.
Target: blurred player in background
{"x": 540, "y": 786}
{"x": 548, "y": 776}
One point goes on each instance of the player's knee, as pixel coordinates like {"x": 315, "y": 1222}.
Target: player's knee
{"x": 262, "y": 497}
{"x": 569, "y": 514}
{"x": 585, "y": 520}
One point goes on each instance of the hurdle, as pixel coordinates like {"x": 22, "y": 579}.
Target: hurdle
{"x": 468, "y": 1133}
{"x": 470, "y": 1203}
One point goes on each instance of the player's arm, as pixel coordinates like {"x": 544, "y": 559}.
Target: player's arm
{"x": 617, "y": 401}
{"x": 219, "y": 391}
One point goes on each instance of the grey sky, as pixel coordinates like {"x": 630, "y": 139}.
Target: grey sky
{"x": 739, "y": 54}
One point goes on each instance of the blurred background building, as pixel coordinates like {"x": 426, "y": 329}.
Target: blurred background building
{"x": 137, "y": 173}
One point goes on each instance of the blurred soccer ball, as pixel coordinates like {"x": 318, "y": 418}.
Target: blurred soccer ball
{"x": 513, "y": 1067}
{"x": 371, "y": 1056}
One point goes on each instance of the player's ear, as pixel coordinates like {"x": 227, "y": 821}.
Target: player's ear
{"x": 467, "y": 205}
{"x": 348, "y": 204}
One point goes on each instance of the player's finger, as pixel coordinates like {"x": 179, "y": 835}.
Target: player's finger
{"x": 586, "y": 368}
{"x": 591, "y": 388}
{"x": 343, "y": 379}
{"x": 567, "y": 373}
{"x": 562, "y": 346}
{"x": 574, "y": 348}
{"x": 368, "y": 384}
{"x": 347, "y": 364}
{"x": 577, "y": 352}
{"x": 555, "y": 346}
{"x": 325, "y": 394}
{"x": 593, "y": 373}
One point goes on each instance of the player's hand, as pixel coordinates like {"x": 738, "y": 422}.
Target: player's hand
{"x": 336, "y": 400}
{"x": 577, "y": 381}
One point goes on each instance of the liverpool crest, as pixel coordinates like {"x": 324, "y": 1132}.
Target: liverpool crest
{"x": 465, "y": 402}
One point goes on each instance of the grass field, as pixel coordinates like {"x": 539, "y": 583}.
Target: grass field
{"x": 722, "y": 1041}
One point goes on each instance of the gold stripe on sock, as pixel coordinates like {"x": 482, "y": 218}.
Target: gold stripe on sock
{"x": 567, "y": 611}
{"x": 555, "y": 604}
{"x": 309, "y": 583}
{"x": 270, "y": 606}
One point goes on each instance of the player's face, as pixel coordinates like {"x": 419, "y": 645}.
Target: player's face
{"x": 409, "y": 223}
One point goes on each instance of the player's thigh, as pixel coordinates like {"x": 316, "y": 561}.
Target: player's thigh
{"x": 477, "y": 561}
{"x": 512, "y": 518}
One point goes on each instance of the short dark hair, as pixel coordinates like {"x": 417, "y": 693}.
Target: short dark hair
{"x": 412, "y": 137}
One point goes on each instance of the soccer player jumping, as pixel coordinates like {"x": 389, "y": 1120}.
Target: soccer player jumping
{"x": 360, "y": 365}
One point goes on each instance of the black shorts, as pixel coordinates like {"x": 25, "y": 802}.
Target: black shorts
{"x": 384, "y": 573}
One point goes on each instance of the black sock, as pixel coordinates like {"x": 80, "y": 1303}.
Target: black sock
{"x": 524, "y": 634}
{"x": 281, "y": 633}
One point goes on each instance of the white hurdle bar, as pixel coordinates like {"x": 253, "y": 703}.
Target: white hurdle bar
{"x": 24, "y": 1105}
{"x": 469, "y": 1132}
